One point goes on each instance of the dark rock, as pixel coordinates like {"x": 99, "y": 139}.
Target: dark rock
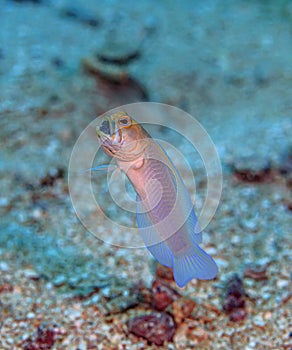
{"x": 163, "y": 295}
{"x": 248, "y": 175}
{"x": 157, "y": 327}
{"x": 238, "y": 315}
{"x": 252, "y": 170}
{"x": 235, "y": 286}
{"x": 44, "y": 340}
{"x": 234, "y": 302}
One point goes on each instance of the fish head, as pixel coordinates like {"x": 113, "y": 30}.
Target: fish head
{"x": 121, "y": 136}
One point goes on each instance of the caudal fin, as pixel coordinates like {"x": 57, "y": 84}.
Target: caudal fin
{"x": 195, "y": 264}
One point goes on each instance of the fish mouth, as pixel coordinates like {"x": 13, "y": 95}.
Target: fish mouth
{"x": 108, "y": 141}
{"x": 112, "y": 133}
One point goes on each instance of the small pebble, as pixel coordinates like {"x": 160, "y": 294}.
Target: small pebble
{"x": 37, "y": 213}
{"x": 157, "y": 327}
{"x": 30, "y": 315}
{"x": 31, "y": 274}
{"x": 4, "y": 266}
{"x": 59, "y": 280}
{"x": 200, "y": 334}
{"x": 182, "y": 308}
{"x": 237, "y": 315}
{"x": 258, "y": 320}
{"x": 163, "y": 295}
{"x": 180, "y": 337}
{"x": 282, "y": 284}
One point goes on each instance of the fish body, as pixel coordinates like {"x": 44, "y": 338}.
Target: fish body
{"x": 165, "y": 215}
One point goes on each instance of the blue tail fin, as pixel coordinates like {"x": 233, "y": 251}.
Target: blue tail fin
{"x": 195, "y": 264}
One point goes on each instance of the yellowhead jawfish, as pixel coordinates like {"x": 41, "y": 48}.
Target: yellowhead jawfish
{"x": 165, "y": 215}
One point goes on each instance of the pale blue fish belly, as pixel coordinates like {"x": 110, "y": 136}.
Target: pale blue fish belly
{"x": 167, "y": 221}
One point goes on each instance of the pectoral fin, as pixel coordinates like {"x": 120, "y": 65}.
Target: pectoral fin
{"x": 103, "y": 167}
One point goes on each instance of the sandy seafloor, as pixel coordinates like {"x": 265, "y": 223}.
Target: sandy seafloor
{"x": 228, "y": 64}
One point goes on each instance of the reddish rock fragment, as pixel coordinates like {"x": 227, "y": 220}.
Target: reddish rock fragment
{"x": 238, "y": 315}
{"x": 247, "y": 175}
{"x": 163, "y": 295}
{"x": 164, "y": 272}
{"x": 5, "y": 288}
{"x": 252, "y": 170}
{"x": 156, "y": 327}
{"x": 199, "y": 335}
{"x": 182, "y": 308}
{"x": 256, "y": 274}
{"x": 234, "y": 302}
{"x": 44, "y": 340}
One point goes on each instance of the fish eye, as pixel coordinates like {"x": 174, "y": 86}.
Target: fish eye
{"x": 125, "y": 121}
